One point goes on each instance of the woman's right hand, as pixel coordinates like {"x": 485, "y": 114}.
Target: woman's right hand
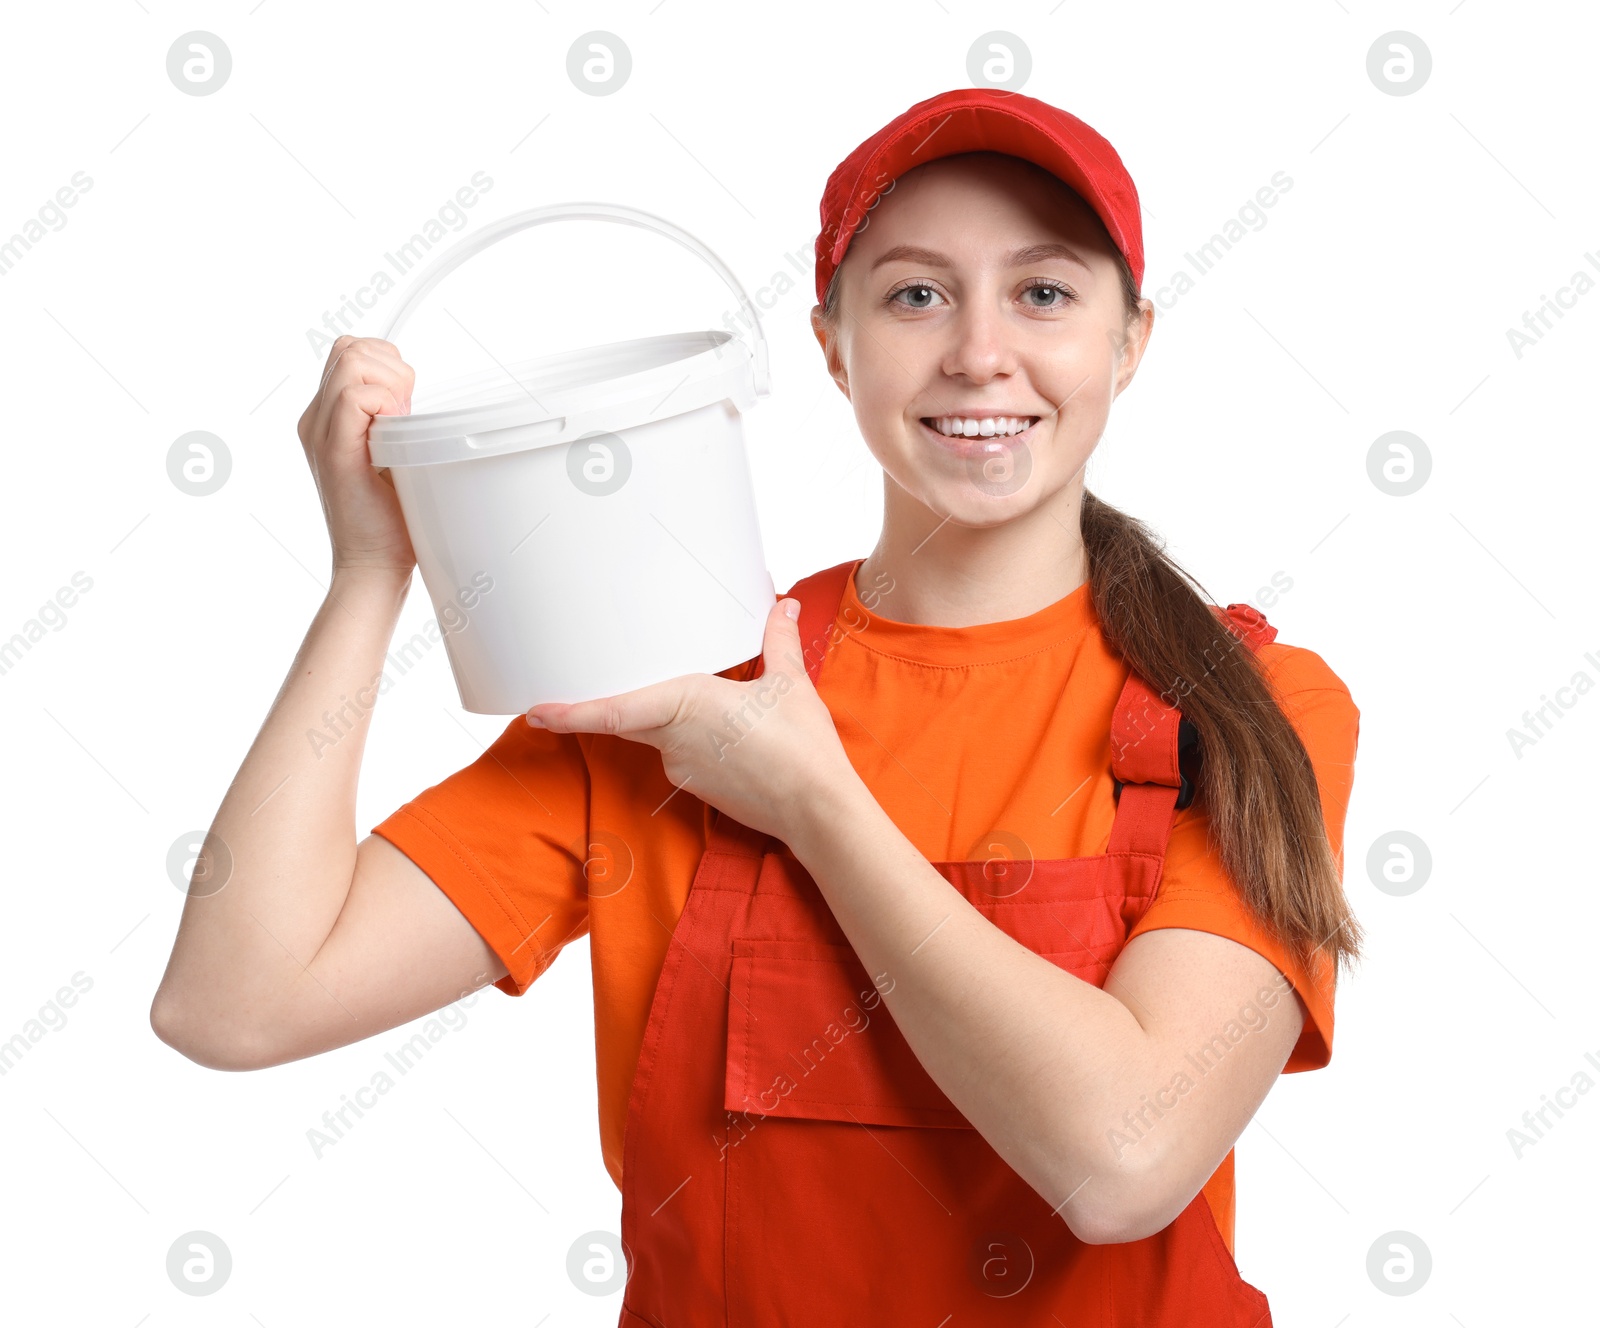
{"x": 364, "y": 377}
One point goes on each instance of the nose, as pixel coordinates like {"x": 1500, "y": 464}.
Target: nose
{"x": 981, "y": 342}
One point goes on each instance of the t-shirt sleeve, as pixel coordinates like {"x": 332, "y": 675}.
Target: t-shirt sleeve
{"x": 1197, "y": 892}
{"x": 506, "y": 838}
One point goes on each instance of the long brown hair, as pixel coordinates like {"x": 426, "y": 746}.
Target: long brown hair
{"x": 1254, "y": 779}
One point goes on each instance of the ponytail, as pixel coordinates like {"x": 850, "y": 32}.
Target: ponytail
{"x": 1255, "y": 780}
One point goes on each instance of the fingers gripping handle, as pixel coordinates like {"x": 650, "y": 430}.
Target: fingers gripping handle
{"x": 447, "y": 263}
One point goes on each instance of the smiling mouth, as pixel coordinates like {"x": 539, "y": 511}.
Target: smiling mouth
{"x": 993, "y": 426}
{"x": 978, "y": 446}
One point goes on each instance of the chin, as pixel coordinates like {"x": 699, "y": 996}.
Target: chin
{"x": 967, "y": 504}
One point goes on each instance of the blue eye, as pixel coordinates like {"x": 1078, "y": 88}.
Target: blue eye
{"x": 893, "y": 295}
{"x": 1067, "y": 297}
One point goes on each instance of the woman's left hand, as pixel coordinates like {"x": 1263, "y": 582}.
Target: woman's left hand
{"x": 761, "y": 751}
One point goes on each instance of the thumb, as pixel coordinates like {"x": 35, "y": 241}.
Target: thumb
{"x": 780, "y": 646}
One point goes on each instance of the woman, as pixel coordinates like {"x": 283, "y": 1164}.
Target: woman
{"x": 942, "y": 951}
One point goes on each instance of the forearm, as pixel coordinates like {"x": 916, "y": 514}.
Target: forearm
{"x": 1040, "y": 1062}
{"x": 280, "y": 855}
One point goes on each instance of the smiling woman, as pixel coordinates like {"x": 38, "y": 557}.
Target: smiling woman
{"x": 1075, "y": 830}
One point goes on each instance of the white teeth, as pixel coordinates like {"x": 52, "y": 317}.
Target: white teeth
{"x": 987, "y": 427}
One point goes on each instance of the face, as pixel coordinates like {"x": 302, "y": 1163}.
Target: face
{"x": 981, "y": 337}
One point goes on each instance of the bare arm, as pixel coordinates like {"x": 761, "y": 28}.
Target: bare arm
{"x": 294, "y": 939}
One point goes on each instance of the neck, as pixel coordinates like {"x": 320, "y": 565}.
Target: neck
{"x": 947, "y": 575}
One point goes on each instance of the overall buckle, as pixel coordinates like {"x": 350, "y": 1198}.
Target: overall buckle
{"x": 1188, "y": 762}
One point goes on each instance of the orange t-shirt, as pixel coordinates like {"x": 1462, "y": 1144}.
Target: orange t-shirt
{"x": 966, "y": 736}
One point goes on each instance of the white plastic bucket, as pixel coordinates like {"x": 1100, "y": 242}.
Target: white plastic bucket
{"x": 585, "y": 522}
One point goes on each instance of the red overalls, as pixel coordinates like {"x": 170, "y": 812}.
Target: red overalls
{"x": 789, "y": 1162}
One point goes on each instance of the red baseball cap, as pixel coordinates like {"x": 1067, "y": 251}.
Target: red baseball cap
{"x": 972, "y": 120}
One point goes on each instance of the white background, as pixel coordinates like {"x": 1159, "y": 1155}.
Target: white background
{"x": 1376, "y": 297}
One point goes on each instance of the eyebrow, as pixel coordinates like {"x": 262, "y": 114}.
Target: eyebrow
{"x": 1033, "y": 253}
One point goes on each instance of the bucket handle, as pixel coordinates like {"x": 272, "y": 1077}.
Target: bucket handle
{"x": 451, "y": 259}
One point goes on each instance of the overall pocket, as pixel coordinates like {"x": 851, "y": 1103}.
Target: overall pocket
{"x": 856, "y": 1192}
{"x": 810, "y": 1037}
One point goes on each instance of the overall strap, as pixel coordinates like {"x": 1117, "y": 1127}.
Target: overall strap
{"x": 1248, "y": 623}
{"x": 1149, "y": 739}
{"x": 820, "y": 596}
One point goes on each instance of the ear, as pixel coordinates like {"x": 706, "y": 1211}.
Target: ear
{"x": 829, "y": 342}
{"x": 819, "y": 327}
{"x": 1137, "y": 340}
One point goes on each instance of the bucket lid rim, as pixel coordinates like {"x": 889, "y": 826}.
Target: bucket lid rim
{"x": 718, "y": 353}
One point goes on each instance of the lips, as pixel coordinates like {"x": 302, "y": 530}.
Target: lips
{"x": 977, "y": 446}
